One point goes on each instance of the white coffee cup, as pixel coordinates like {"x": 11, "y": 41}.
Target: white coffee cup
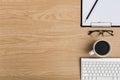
{"x": 101, "y": 48}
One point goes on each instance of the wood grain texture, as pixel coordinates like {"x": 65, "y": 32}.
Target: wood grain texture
{"x": 42, "y": 40}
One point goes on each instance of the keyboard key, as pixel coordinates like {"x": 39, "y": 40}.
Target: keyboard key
{"x": 86, "y": 74}
{"x": 115, "y": 78}
{"x": 104, "y": 78}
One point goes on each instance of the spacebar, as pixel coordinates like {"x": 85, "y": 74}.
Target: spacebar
{"x": 104, "y": 78}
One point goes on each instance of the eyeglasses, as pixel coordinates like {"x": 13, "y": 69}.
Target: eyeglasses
{"x": 106, "y": 33}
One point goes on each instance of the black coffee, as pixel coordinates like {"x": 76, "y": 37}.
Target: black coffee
{"x": 102, "y": 47}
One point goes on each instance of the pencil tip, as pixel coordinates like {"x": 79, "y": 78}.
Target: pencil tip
{"x": 85, "y": 20}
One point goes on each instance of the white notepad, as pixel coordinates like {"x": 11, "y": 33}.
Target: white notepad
{"x": 105, "y": 13}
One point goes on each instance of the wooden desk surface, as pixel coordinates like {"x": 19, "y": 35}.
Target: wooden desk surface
{"x": 42, "y": 40}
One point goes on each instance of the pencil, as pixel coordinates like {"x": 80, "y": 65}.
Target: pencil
{"x": 91, "y": 10}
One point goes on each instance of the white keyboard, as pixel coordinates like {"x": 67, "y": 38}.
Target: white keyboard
{"x": 100, "y": 68}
